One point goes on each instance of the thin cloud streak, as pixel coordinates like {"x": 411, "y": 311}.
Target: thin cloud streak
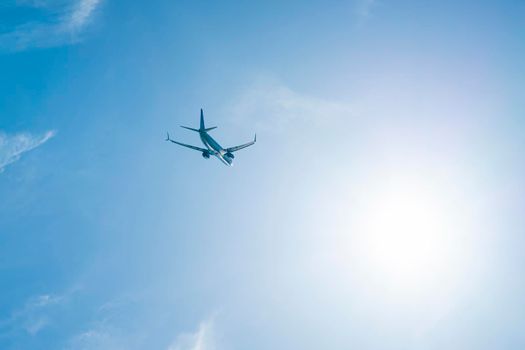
{"x": 81, "y": 14}
{"x": 364, "y": 10}
{"x": 13, "y": 147}
{"x": 202, "y": 339}
{"x": 33, "y": 316}
{"x": 64, "y": 25}
{"x": 274, "y": 107}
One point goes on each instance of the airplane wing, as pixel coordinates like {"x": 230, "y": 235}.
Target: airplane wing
{"x": 190, "y": 146}
{"x": 236, "y": 148}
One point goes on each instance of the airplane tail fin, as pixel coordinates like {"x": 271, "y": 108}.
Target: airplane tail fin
{"x": 202, "y": 127}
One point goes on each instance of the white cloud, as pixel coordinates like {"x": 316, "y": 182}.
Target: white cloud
{"x": 202, "y": 339}
{"x": 33, "y": 316}
{"x": 364, "y": 10}
{"x": 81, "y": 14}
{"x": 273, "y": 106}
{"x": 116, "y": 325}
{"x": 36, "y": 325}
{"x": 12, "y": 147}
{"x": 103, "y": 337}
{"x": 64, "y": 22}
{"x": 33, "y": 3}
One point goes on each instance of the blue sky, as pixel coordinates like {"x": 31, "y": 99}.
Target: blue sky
{"x": 381, "y": 207}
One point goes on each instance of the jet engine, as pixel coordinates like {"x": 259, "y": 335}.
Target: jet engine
{"x": 206, "y": 155}
{"x": 229, "y": 155}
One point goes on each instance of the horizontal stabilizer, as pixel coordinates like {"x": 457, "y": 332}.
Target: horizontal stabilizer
{"x": 192, "y": 129}
{"x": 208, "y": 129}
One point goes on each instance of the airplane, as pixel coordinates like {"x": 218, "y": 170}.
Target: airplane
{"x": 225, "y": 155}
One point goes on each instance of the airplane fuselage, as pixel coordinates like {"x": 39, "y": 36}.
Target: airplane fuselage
{"x": 225, "y": 155}
{"x": 216, "y": 149}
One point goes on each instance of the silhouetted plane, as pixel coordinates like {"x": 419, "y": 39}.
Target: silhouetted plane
{"x": 212, "y": 147}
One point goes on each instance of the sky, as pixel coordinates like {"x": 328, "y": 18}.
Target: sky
{"x": 381, "y": 208}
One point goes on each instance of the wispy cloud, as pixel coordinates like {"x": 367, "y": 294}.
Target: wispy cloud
{"x": 202, "y": 339}
{"x": 128, "y": 322}
{"x": 62, "y": 23}
{"x": 33, "y": 316}
{"x": 364, "y": 10}
{"x": 81, "y": 14}
{"x": 273, "y": 106}
{"x": 12, "y": 147}
{"x": 112, "y": 328}
{"x": 103, "y": 337}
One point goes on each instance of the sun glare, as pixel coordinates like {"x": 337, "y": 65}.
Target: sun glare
{"x": 404, "y": 236}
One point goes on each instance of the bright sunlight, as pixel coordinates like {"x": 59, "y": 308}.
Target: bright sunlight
{"x": 408, "y": 234}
